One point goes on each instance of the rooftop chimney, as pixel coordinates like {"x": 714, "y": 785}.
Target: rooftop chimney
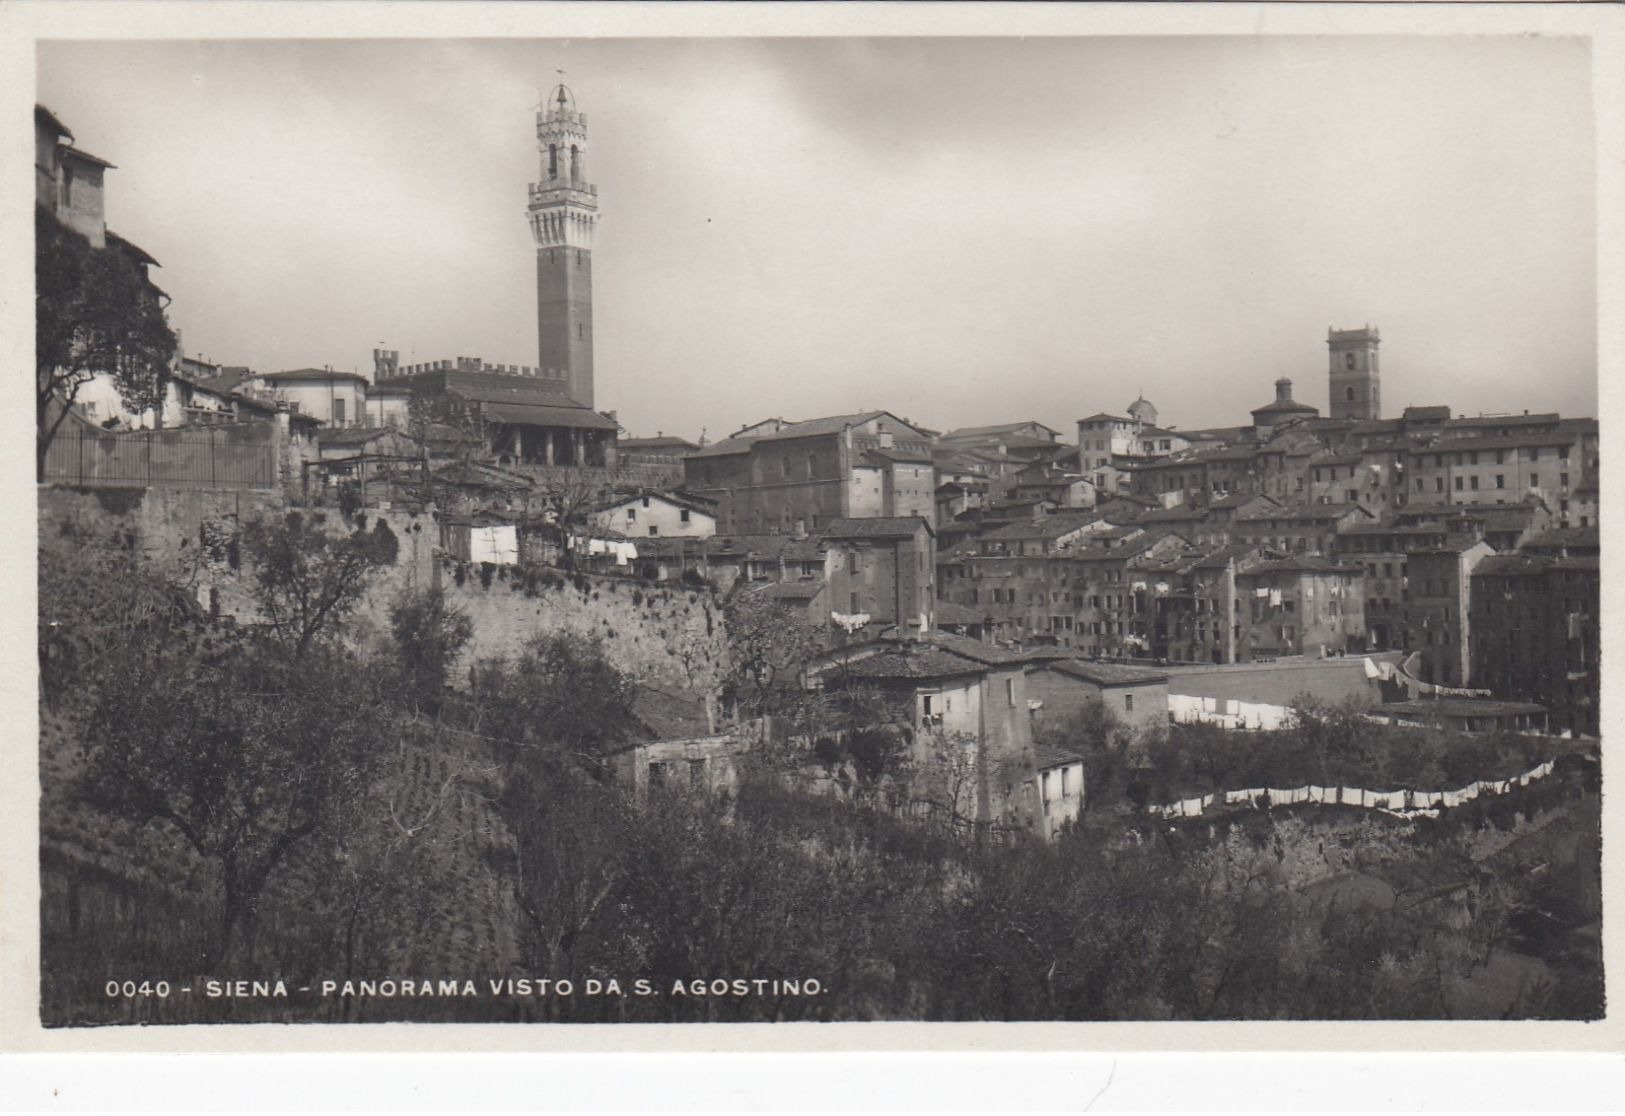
{"x": 1283, "y": 390}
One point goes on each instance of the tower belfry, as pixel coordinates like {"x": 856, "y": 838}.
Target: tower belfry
{"x": 563, "y": 214}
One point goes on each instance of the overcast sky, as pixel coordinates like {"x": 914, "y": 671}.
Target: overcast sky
{"x": 962, "y": 231}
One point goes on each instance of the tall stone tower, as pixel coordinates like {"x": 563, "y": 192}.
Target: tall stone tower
{"x": 1356, "y": 382}
{"x": 563, "y": 213}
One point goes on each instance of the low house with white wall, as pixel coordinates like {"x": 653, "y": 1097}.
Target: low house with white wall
{"x": 1060, "y": 787}
{"x": 657, "y": 515}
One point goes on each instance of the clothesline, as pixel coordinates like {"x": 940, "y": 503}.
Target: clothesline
{"x": 1402, "y": 803}
{"x": 622, "y": 550}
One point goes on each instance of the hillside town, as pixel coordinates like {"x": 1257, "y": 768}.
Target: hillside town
{"x": 1022, "y": 634}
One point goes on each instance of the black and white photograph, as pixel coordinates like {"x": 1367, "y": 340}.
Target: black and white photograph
{"x": 693, "y": 529}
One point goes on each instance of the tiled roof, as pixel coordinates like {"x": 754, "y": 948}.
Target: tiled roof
{"x": 1239, "y": 499}
{"x": 1302, "y": 564}
{"x": 1565, "y": 538}
{"x": 1511, "y": 565}
{"x": 536, "y": 414}
{"x": 832, "y": 424}
{"x": 763, "y": 546}
{"x": 968, "y": 432}
{"x": 131, "y": 248}
{"x": 725, "y": 447}
{"x": 1214, "y": 434}
{"x": 1425, "y": 414}
{"x": 1046, "y": 758}
{"x": 1453, "y": 545}
{"x": 48, "y": 119}
{"x": 1103, "y": 417}
{"x": 1285, "y": 406}
{"x": 1171, "y": 515}
{"x": 226, "y": 380}
{"x": 1534, "y": 438}
{"x": 663, "y": 442}
{"x": 1314, "y": 512}
{"x": 675, "y": 499}
{"x": 951, "y": 612}
{"x": 912, "y": 662}
{"x": 1049, "y": 527}
{"x": 985, "y": 653}
{"x": 1356, "y": 529}
{"x": 1105, "y": 674}
{"x": 76, "y": 153}
{"x": 1473, "y": 422}
{"x": 1225, "y": 554}
{"x": 878, "y": 527}
{"x": 669, "y": 714}
{"x": 882, "y": 455}
{"x": 307, "y": 374}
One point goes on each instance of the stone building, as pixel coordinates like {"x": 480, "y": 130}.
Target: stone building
{"x": 69, "y": 182}
{"x": 1535, "y": 632}
{"x": 1137, "y": 696}
{"x": 880, "y": 573}
{"x": 1198, "y": 618}
{"x": 800, "y": 477}
{"x": 1438, "y": 629}
{"x": 662, "y": 454}
{"x": 961, "y": 708}
{"x": 1302, "y": 605}
{"x": 521, "y": 420}
{"x": 1309, "y": 529}
{"x": 332, "y": 398}
{"x": 1504, "y": 468}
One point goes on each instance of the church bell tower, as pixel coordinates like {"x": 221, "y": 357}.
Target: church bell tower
{"x": 1356, "y": 381}
{"x": 563, "y": 213}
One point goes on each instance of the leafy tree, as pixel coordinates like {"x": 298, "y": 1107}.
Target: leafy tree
{"x": 1106, "y": 743}
{"x": 94, "y": 311}
{"x": 561, "y": 698}
{"x": 242, "y": 749}
{"x": 306, "y": 580}
{"x": 768, "y": 645}
{"x": 429, "y": 636}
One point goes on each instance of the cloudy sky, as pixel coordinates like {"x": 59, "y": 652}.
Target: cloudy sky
{"x": 961, "y": 231}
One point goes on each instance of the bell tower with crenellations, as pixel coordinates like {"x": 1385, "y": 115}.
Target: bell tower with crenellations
{"x": 563, "y": 215}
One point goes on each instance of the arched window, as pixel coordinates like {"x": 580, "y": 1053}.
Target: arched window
{"x": 1350, "y": 394}
{"x": 552, "y": 160}
{"x": 575, "y": 163}
{"x": 1348, "y": 361}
